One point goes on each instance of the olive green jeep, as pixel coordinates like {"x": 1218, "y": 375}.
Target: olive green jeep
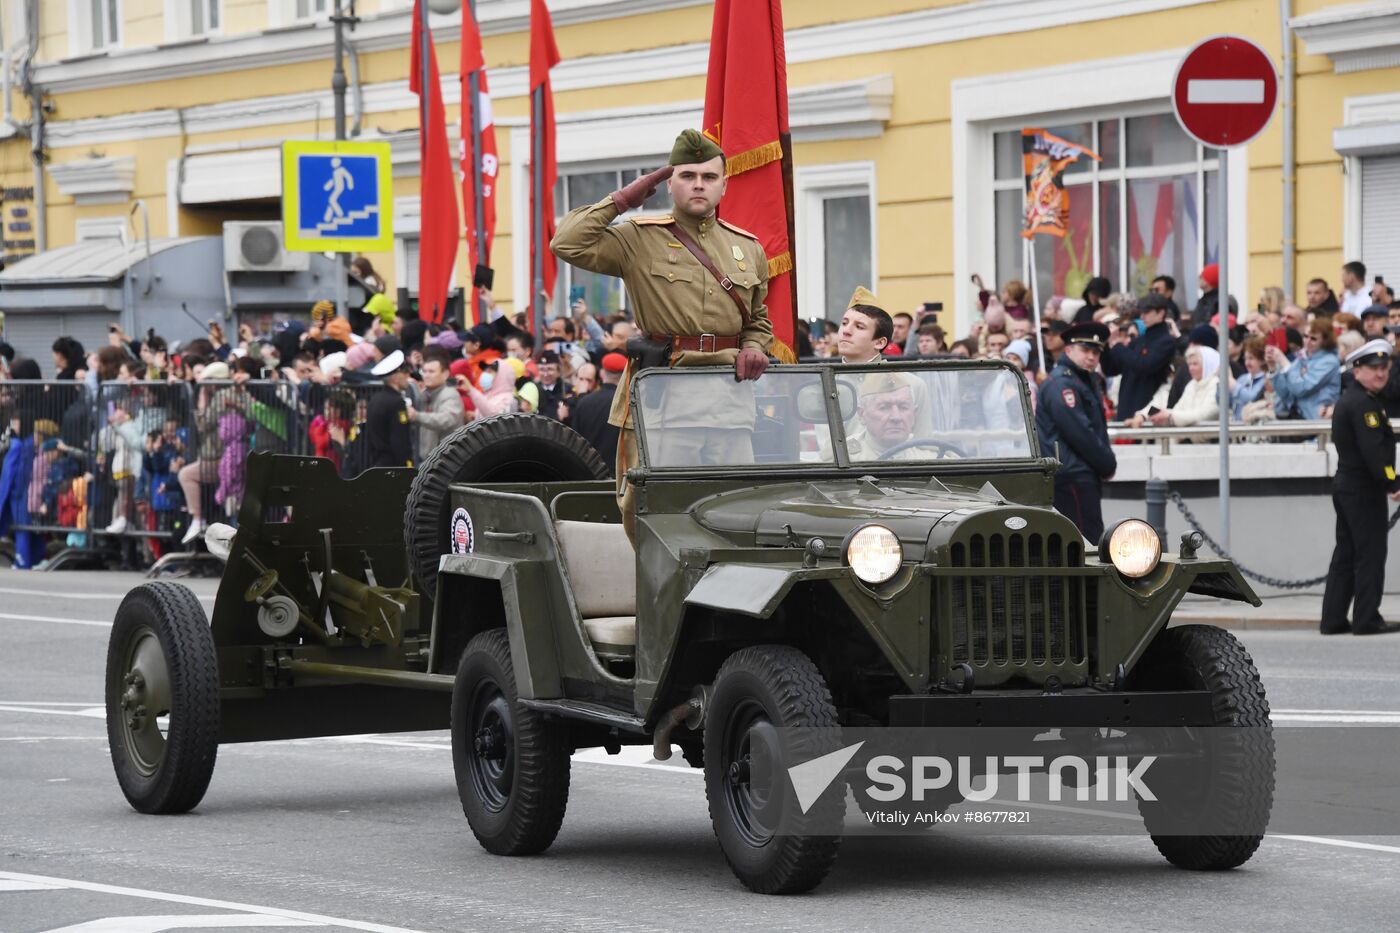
{"x": 829, "y": 547}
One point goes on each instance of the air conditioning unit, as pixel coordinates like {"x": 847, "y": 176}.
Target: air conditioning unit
{"x": 257, "y": 246}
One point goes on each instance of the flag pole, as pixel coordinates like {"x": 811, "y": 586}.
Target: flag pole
{"x": 1035, "y": 304}
{"x": 785, "y": 140}
{"x": 537, "y": 128}
{"x": 423, "y": 110}
{"x": 478, "y": 197}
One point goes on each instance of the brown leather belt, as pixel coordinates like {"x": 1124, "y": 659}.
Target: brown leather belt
{"x": 703, "y": 343}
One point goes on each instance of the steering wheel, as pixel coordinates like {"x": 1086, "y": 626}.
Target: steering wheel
{"x": 935, "y": 442}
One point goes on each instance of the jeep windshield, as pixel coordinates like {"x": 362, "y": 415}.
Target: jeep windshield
{"x": 838, "y": 416}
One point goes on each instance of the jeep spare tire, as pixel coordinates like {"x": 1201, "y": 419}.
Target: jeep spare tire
{"x": 510, "y": 448}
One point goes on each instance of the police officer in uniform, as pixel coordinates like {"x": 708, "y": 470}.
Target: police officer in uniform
{"x": 1365, "y": 475}
{"x": 700, "y": 318}
{"x": 1071, "y": 423}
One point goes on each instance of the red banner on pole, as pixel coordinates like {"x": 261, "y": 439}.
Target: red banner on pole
{"x": 746, "y": 112}
{"x": 437, "y": 238}
{"x": 474, "y": 62}
{"x": 544, "y": 55}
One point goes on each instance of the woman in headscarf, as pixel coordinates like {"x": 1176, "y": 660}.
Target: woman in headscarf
{"x": 1199, "y": 400}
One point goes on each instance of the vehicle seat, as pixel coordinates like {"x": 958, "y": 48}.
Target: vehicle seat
{"x": 602, "y": 570}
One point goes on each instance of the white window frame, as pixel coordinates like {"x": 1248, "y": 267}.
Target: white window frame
{"x": 1087, "y": 89}
{"x": 112, "y": 227}
{"x": 80, "y": 32}
{"x": 1120, "y": 174}
{"x": 179, "y": 19}
{"x": 408, "y": 225}
{"x": 1370, "y": 127}
{"x": 284, "y": 12}
{"x": 812, "y": 186}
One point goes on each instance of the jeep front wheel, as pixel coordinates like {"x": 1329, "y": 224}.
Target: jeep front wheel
{"x": 771, "y": 706}
{"x": 511, "y": 763}
{"x": 1234, "y": 789}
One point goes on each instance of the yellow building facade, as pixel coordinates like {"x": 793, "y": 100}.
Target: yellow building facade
{"x": 906, "y": 118}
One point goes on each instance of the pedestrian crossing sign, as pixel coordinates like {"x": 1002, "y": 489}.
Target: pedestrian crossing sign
{"x": 336, "y": 197}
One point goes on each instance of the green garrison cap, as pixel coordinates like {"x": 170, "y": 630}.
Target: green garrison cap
{"x": 693, "y": 147}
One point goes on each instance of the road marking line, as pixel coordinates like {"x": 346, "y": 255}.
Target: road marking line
{"x": 14, "y": 617}
{"x": 158, "y": 924}
{"x": 53, "y": 738}
{"x": 27, "y": 886}
{"x": 1225, "y": 91}
{"x": 95, "y": 712}
{"x": 1339, "y": 843}
{"x": 305, "y": 918}
{"x": 46, "y": 703}
{"x": 52, "y": 595}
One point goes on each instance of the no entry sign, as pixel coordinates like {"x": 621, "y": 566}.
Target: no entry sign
{"x": 1225, "y": 91}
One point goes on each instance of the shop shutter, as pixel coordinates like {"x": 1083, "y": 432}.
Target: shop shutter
{"x": 1380, "y": 208}
{"x": 32, "y": 334}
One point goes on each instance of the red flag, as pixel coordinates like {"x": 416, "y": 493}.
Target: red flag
{"x": 544, "y": 55}
{"x": 437, "y": 238}
{"x": 746, "y": 112}
{"x": 474, "y": 62}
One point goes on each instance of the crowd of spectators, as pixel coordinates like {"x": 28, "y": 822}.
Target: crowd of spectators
{"x": 147, "y": 438}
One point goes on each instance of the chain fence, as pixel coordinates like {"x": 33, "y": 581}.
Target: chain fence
{"x": 1275, "y": 582}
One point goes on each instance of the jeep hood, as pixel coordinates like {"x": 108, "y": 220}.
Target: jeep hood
{"x": 774, "y": 515}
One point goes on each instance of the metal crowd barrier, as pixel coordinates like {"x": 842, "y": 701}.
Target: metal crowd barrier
{"x": 1317, "y": 434}
{"x": 106, "y": 465}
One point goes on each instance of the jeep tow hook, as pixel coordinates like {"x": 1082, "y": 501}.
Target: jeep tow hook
{"x": 691, "y": 714}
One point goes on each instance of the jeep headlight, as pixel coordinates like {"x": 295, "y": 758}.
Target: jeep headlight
{"x": 1132, "y": 547}
{"x": 874, "y": 553}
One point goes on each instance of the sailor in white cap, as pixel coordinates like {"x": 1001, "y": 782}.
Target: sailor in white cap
{"x": 387, "y": 422}
{"x": 1365, "y": 476}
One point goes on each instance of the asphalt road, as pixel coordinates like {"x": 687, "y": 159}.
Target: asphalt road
{"x": 366, "y": 832}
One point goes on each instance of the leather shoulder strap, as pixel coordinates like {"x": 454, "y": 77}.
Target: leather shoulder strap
{"x": 704, "y": 260}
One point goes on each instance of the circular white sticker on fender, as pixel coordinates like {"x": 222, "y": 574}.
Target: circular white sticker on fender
{"x": 461, "y": 532}
{"x": 1015, "y": 523}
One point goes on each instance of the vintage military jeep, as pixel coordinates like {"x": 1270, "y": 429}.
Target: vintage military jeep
{"x": 830, "y": 547}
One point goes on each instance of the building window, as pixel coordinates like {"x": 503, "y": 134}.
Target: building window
{"x": 835, "y": 237}
{"x": 604, "y": 294}
{"x": 204, "y": 16}
{"x": 99, "y": 25}
{"x": 406, "y": 264}
{"x": 306, "y": 9}
{"x": 1134, "y": 216}
{"x": 1380, "y": 205}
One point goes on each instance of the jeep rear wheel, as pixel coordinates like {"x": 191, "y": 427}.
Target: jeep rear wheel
{"x": 162, "y": 693}
{"x": 511, "y": 448}
{"x": 761, "y": 696}
{"x": 1240, "y": 790}
{"x": 511, "y": 763}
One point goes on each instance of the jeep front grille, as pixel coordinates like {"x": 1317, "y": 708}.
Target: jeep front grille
{"x": 1019, "y": 619}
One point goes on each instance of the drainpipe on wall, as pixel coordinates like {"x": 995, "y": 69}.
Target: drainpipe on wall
{"x": 1289, "y": 232}
{"x": 36, "y": 126}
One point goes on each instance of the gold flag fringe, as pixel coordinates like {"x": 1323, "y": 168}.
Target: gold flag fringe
{"x": 782, "y": 352}
{"x": 779, "y": 264}
{"x": 754, "y": 158}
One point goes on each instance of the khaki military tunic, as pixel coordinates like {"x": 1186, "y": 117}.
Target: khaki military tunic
{"x": 668, "y": 291}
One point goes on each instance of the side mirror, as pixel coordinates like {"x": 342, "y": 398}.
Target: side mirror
{"x": 811, "y": 402}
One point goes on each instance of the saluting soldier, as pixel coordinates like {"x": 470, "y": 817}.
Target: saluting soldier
{"x": 1072, "y": 426}
{"x": 696, "y": 285}
{"x": 1365, "y": 475}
